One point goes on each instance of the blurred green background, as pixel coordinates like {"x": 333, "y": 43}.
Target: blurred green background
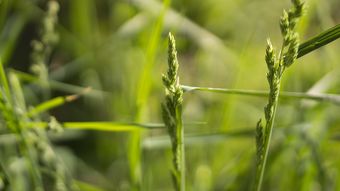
{"x": 119, "y": 48}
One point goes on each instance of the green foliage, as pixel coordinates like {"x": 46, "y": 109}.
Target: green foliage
{"x": 80, "y": 95}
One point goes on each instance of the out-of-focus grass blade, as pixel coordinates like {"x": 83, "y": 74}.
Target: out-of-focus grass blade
{"x": 145, "y": 82}
{"x": 83, "y": 23}
{"x": 4, "y": 82}
{"x": 50, "y": 104}
{"x": 102, "y": 126}
{"x": 10, "y": 35}
{"x": 332, "y": 98}
{"x": 4, "y": 9}
{"x": 199, "y": 138}
{"x": 17, "y": 92}
{"x": 70, "y": 88}
{"x": 83, "y": 186}
{"x": 55, "y": 102}
{"x": 320, "y": 40}
{"x": 109, "y": 125}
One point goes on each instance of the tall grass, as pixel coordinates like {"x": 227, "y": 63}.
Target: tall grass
{"x": 143, "y": 91}
{"x": 172, "y": 115}
{"x": 85, "y": 115}
{"x": 276, "y": 65}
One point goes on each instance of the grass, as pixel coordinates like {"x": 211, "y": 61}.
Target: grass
{"x": 144, "y": 86}
{"x": 276, "y": 65}
{"x": 80, "y": 96}
{"x": 172, "y": 115}
{"x": 258, "y": 93}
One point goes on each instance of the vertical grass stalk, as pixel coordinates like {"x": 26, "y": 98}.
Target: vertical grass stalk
{"x": 172, "y": 115}
{"x": 276, "y": 67}
{"x": 144, "y": 88}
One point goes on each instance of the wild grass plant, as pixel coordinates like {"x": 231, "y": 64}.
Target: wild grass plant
{"x": 276, "y": 65}
{"x": 172, "y": 115}
{"x": 35, "y": 158}
{"x": 85, "y": 113}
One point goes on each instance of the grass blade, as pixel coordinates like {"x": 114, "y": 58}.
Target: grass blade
{"x": 161, "y": 142}
{"x": 4, "y": 82}
{"x": 13, "y": 28}
{"x": 86, "y": 186}
{"x": 106, "y": 126}
{"x": 102, "y": 126}
{"x": 143, "y": 91}
{"x": 52, "y": 103}
{"x": 70, "y": 88}
{"x": 320, "y": 40}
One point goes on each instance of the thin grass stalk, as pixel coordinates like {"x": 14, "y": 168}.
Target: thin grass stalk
{"x": 56, "y": 85}
{"x": 332, "y": 98}
{"x": 144, "y": 88}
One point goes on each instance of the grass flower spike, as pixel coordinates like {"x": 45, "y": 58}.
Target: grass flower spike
{"x": 172, "y": 115}
{"x": 276, "y": 66}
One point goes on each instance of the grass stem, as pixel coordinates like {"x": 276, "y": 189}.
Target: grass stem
{"x": 332, "y": 98}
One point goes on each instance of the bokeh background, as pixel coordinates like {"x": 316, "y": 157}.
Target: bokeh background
{"x": 119, "y": 49}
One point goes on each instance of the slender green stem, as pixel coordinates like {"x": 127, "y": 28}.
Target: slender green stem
{"x": 332, "y": 98}
{"x": 267, "y": 139}
{"x": 108, "y": 125}
{"x": 59, "y": 85}
{"x": 144, "y": 88}
{"x": 180, "y": 145}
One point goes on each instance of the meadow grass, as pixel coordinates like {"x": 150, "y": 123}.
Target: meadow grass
{"x": 172, "y": 115}
{"x": 276, "y": 64}
{"x": 210, "y": 144}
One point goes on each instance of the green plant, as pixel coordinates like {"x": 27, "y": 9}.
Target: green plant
{"x": 143, "y": 91}
{"x": 42, "y": 47}
{"x": 172, "y": 115}
{"x": 35, "y": 160}
{"x": 107, "y": 55}
{"x": 276, "y": 65}
{"x": 36, "y": 156}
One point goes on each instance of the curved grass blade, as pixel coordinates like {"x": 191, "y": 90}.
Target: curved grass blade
{"x": 52, "y": 103}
